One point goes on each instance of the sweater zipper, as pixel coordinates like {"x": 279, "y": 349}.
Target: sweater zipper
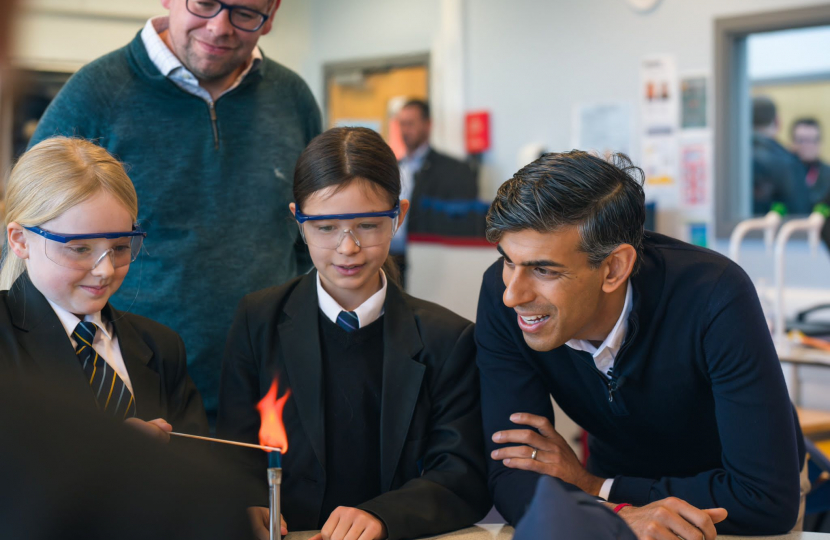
{"x": 213, "y": 123}
{"x": 611, "y": 385}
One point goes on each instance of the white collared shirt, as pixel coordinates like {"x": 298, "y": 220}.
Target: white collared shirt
{"x": 171, "y": 67}
{"x": 606, "y": 353}
{"x": 367, "y": 313}
{"x": 409, "y": 166}
{"x": 105, "y": 342}
{"x": 604, "y": 357}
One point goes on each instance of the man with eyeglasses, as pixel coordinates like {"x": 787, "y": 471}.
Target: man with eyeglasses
{"x": 210, "y": 130}
{"x": 806, "y": 137}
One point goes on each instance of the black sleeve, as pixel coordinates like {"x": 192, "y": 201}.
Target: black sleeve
{"x": 451, "y": 493}
{"x": 760, "y": 480}
{"x": 509, "y": 384}
{"x": 238, "y": 418}
{"x": 187, "y": 412}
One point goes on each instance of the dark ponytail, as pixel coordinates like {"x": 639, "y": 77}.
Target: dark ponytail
{"x": 340, "y": 156}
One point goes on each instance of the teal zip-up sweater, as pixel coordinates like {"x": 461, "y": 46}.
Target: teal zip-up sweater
{"x": 213, "y": 188}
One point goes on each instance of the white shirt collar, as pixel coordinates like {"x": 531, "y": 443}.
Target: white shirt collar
{"x": 367, "y": 313}
{"x": 70, "y": 320}
{"x": 418, "y": 155}
{"x": 169, "y": 64}
{"x": 615, "y": 339}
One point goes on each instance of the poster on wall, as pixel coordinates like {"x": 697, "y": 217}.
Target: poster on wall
{"x": 693, "y": 102}
{"x": 695, "y": 172}
{"x": 659, "y": 112}
{"x": 603, "y": 128}
{"x": 696, "y": 156}
{"x": 658, "y": 78}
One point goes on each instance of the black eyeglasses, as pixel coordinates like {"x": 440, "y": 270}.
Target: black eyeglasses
{"x": 243, "y": 18}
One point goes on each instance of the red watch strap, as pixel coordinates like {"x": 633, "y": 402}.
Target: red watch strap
{"x": 620, "y": 507}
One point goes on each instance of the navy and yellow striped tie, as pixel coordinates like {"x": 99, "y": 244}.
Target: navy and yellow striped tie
{"x": 111, "y": 394}
{"x": 348, "y": 321}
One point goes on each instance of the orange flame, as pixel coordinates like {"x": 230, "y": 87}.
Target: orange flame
{"x": 272, "y": 430}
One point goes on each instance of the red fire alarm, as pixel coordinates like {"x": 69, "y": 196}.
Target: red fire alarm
{"x": 477, "y": 129}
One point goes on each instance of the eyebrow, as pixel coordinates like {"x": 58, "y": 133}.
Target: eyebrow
{"x": 538, "y": 262}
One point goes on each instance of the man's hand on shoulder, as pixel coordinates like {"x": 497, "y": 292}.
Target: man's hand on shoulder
{"x": 553, "y": 456}
{"x": 670, "y": 518}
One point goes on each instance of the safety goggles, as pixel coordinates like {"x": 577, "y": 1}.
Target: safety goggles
{"x": 367, "y": 229}
{"x": 86, "y": 251}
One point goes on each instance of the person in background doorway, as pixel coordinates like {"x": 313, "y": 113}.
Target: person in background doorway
{"x": 775, "y": 171}
{"x": 806, "y": 135}
{"x": 210, "y": 130}
{"x": 426, "y": 175}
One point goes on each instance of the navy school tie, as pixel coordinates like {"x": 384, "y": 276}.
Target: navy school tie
{"x": 348, "y": 321}
{"x": 111, "y": 394}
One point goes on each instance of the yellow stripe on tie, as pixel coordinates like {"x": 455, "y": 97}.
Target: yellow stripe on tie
{"x": 82, "y": 339}
{"x": 128, "y": 406}
{"x": 114, "y": 376}
{"x": 79, "y": 350}
{"x": 94, "y": 368}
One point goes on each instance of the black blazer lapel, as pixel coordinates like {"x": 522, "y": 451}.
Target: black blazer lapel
{"x": 402, "y": 377}
{"x": 42, "y": 336}
{"x": 137, "y": 355}
{"x": 299, "y": 337}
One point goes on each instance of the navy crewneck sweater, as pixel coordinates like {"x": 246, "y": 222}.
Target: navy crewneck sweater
{"x": 697, "y": 407}
{"x": 353, "y": 379}
{"x": 213, "y": 188}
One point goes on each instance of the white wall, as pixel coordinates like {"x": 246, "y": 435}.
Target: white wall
{"x": 66, "y": 34}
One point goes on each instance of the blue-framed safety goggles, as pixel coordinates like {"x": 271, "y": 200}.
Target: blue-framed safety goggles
{"x": 367, "y": 229}
{"x": 86, "y": 251}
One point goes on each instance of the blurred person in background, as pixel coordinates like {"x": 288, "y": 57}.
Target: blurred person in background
{"x": 775, "y": 171}
{"x": 806, "y": 136}
{"x": 426, "y": 175}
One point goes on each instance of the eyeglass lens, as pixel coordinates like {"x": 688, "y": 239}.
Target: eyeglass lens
{"x": 240, "y": 17}
{"x": 368, "y": 232}
{"x": 86, "y": 254}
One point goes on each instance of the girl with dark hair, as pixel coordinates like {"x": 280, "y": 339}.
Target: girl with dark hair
{"x": 384, "y": 420}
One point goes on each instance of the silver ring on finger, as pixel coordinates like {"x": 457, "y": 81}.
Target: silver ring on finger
{"x": 533, "y": 455}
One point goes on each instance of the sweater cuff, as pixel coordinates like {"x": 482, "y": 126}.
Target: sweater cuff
{"x": 630, "y": 490}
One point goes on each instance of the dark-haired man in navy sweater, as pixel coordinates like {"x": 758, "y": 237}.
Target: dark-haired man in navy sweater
{"x": 657, "y": 348}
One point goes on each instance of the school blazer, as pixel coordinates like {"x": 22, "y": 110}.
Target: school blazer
{"x": 34, "y": 345}
{"x": 432, "y": 463}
